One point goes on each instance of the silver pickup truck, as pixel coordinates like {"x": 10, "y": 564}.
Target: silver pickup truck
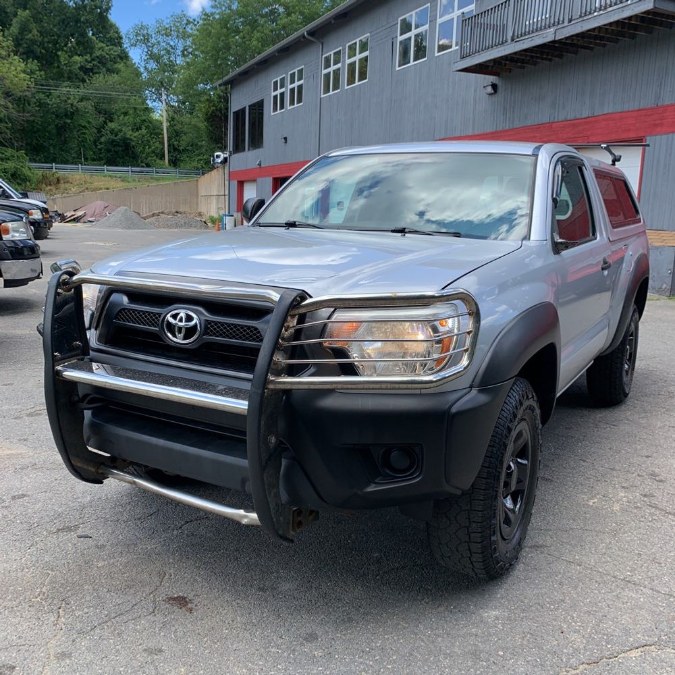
{"x": 392, "y": 329}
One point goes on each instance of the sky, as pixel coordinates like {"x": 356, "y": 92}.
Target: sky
{"x": 126, "y": 13}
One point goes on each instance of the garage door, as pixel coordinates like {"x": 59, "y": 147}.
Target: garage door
{"x": 250, "y": 189}
{"x": 630, "y": 164}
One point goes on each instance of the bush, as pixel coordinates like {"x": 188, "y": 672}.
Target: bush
{"x": 14, "y": 169}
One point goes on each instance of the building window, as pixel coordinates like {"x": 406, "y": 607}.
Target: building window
{"x": 331, "y": 72}
{"x": 450, "y": 14}
{"x": 256, "y": 115}
{"x": 296, "y": 85}
{"x": 278, "y": 94}
{"x": 413, "y": 37}
{"x": 357, "y": 61}
{"x": 239, "y": 130}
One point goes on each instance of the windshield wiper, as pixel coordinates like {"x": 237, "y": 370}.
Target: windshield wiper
{"x": 412, "y": 230}
{"x": 291, "y": 223}
{"x": 301, "y": 223}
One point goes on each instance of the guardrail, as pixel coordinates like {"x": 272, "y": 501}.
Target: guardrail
{"x": 115, "y": 170}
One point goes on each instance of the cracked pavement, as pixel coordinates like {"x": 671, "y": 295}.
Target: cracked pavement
{"x": 103, "y": 579}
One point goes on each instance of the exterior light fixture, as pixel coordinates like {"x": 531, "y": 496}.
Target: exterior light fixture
{"x": 490, "y": 88}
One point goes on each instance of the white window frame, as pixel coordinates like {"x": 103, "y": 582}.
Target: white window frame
{"x": 412, "y": 34}
{"x": 332, "y": 68}
{"x": 294, "y": 87}
{"x": 356, "y": 59}
{"x": 455, "y": 16}
{"x": 276, "y": 94}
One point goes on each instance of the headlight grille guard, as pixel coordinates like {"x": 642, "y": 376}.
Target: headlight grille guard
{"x": 291, "y": 338}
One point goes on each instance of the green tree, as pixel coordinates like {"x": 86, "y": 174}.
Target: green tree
{"x": 15, "y": 82}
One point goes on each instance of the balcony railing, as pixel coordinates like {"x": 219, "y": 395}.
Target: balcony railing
{"x": 513, "y": 20}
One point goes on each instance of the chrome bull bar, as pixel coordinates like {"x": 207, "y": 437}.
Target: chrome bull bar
{"x": 241, "y": 516}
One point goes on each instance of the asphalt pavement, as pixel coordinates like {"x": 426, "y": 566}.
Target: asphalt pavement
{"x": 110, "y": 579}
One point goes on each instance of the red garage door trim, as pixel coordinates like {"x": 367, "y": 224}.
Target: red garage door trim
{"x": 611, "y": 127}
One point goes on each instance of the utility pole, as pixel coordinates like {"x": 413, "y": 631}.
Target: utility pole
{"x": 166, "y": 136}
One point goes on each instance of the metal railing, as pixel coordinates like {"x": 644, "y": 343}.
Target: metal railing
{"x": 115, "y": 170}
{"x": 513, "y": 20}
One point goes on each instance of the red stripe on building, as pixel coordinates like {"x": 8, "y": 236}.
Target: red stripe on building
{"x": 276, "y": 171}
{"x": 623, "y": 127}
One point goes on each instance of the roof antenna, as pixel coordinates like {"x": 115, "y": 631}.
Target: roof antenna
{"x": 615, "y": 158}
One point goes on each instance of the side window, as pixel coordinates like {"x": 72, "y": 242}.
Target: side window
{"x": 621, "y": 207}
{"x": 239, "y": 130}
{"x": 256, "y": 117}
{"x": 573, "y": 218}
{"x": 358, "y": 53}
{"x": 279, "y": 95}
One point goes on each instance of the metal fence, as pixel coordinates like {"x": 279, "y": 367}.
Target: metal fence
{"x": 116, "y": 170}
{"x": 513, "y": 20}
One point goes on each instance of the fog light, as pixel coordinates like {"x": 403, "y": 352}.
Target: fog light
{"x": 399, "y": 461}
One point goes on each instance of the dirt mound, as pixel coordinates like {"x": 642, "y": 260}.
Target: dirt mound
{"x": 178, "y": 221}
{"x": 123, "y": 218}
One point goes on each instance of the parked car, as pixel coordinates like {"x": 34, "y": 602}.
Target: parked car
{"x": 7, "y": 191}
{"x": 39, "y": 218}
{"x": 19, "y": 254}
{"x": 392, "y": 329}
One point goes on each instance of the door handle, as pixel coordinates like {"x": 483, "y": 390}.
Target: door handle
{"x": 605, "y": 265}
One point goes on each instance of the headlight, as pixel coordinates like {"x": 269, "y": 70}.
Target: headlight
{"x": 408, "y": 341}
{"x": 35, "y": 213}
{"x": 91, "y": 296}
{"x": 15, "y": 230}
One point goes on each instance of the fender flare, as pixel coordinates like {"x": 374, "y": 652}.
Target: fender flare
{"x": 524, "y": 336}
{"x": 640, "y": 274}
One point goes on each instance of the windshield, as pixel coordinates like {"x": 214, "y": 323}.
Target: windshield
{"x": 11, "y": 192}
{"x": 483, "y": 196}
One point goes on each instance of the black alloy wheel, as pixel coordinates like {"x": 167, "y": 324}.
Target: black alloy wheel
{"x": 610, "y": 378}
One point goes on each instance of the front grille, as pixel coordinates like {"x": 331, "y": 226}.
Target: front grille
{"x": 138, "y": 317}
{"x": 232, "y": 331}
{"x": 231, "y": 336}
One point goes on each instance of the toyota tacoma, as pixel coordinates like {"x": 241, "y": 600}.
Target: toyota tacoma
{"x": 392, "y": 329}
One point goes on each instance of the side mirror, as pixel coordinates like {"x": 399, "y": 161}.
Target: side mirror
{"x": 251, "y": 208}
{"x": 24, "y": 195}
{"x": 563, "y": 209}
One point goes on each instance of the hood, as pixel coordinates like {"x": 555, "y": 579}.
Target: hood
{"x": 22, "y": 204}
{"x": 319, "y": 262}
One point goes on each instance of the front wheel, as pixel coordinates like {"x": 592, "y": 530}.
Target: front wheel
{"x": 610, "y": 377}
{"x": 480, "y": 534}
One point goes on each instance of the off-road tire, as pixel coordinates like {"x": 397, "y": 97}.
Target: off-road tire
{"x": 40, "y": 233}
{"x": 469, "y": 533}
{"x": 610, "y": 378}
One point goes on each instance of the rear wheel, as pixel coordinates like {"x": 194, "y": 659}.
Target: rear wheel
{"x": 610, "y": 378}
{"x": 480, "y": 534}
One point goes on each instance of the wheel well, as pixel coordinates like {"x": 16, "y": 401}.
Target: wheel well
{"x": 641, "y": 296}
{"x": 541, "y": 371}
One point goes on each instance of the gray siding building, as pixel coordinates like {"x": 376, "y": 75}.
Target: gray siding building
{"x": 581, "y": 72}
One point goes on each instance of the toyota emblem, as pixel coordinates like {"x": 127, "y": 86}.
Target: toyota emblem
{"x": 182, "y": 326}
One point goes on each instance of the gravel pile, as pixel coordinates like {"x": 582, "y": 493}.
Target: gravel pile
{"x": 177, "y": 222}
{"x": 123, "y": 218}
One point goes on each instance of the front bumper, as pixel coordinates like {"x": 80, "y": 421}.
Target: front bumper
{"x": 19, "y": 263}
{"x": 295, "y": 451}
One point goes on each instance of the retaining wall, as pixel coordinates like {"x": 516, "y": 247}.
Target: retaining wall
{"x": 206, "y": 195}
